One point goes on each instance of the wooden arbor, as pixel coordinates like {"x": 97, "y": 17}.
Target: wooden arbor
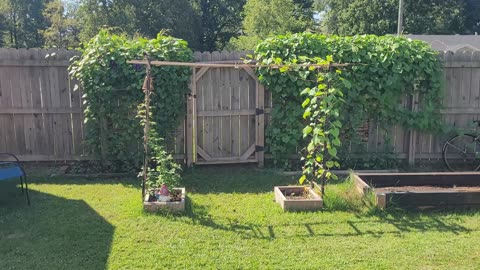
{"x": 208, "y": 115}
{"x": 225, "y": 113}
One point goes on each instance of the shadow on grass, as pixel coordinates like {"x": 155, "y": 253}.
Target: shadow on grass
{"x": 233, "y": 179}
{"x": 382, "y": 225}
{"x": 53, "y": 233}
{"x": 79, "y": 180}
{"x": 202, "y": 180}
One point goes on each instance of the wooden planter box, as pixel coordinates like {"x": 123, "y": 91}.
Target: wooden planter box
{"x": 178, "y": 206}
{"x": 440, "y": 189}
{"x": 314, "y": 203}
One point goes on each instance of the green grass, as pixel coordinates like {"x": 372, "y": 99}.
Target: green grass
{"x": 231, "y": 222}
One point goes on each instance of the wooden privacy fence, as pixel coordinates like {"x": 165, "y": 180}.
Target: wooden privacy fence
{"x": 461, "y": 106}
{"x": 41, "y": 116}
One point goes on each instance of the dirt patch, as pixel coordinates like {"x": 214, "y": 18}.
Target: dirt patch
{"x": 304, "y": 195}
{"x": 428, "y": 188}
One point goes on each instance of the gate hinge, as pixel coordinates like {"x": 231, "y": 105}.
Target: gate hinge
{"x": 259, "y": 148}
{"x": 259, "y": 111}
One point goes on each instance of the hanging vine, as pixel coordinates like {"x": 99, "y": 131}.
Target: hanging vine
{"x": 390, "y": 69}
{"x": 111, "y": 94}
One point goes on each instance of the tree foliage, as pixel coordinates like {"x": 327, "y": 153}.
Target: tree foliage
{"x": 352, "y": 17}
{"x": 264, "y": 18}
{"x": 24, "y": 21}
{"x": 220, "y": 21}
{"x": 472, "y": 23}
{"x": 205, "y": 24}
{"x": 63, "y": 30}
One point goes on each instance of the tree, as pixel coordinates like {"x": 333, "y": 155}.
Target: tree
{"x": 62, "y": 31}
{"x": 264, "y": 18}
{"x": 472, "y": 21}
{"x": 24, "y": 20}
{"x": 97, "y": 14}
{"x": 3, "y": 28}
{"x": 350, "y": 17}
{"x": 220, "y": 21}
{"x": 144, "y": 17}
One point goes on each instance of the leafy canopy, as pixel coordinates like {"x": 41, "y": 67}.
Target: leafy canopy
{"x": 264, "y": 18}
{"x": 112, "y": 93}
{"x": 388, "y": 69}
{"x": 379, "y": 17}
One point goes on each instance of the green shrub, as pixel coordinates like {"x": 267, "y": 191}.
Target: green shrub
{"x": 112, "y": 92}
{"x": 387, "y": 69}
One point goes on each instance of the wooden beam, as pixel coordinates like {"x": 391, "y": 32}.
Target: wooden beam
{"x": 200, "y": 73}
{"x": 59, "y": 110}
{"x": 33, "y": 63}
{"x": 412, "y": 142}
{"x": 460, "y": 111}
{"x": 381, "y": 200}
{"x": 224, "y": 161}
{"x": 248, "y": 153}
{"x": 34, "y": 157}
{"x": 204, "y": 154}
{"x": 260, "y": 121}
{"x": 361, "y": 186}
{"x": 230, "y": 65}
{"x": 226, "y": 113}
{"x": 250, "y": 72}
{"x": 190, "y": 120}
{"x": 460, "y": 64}
{"x": 432, "y": 198}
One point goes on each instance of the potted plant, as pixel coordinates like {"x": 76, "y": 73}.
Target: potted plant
{"x": 163, "y": 180}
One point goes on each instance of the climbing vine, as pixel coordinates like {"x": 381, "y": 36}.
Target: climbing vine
{"x": 112, "y": 93}
{"x": 324, "y": 123}
{"x": 321, "y": 107}
{"x": 388, "y": 70}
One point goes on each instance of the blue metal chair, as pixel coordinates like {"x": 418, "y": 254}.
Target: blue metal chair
{"x": 12, "y": 169}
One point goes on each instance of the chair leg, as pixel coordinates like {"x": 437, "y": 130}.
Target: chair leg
{"x": 21, "y": 182}
{"x": 26, "y": 190}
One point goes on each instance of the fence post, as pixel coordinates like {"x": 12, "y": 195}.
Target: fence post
{"x": 191, "y": 120}
{"x": 412, "y": 142}
{"x": 260, "y": 132}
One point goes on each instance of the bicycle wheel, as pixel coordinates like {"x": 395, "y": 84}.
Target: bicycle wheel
{"x": 462, "y": 153}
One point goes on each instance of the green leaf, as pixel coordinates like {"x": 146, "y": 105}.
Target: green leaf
{"x": 302, "y": 179}
{"x": 335, "y": 132}
{"x": 306, "y": 102}
{"x": 347, "y": 83}
{"x": 307, "y": 130}
{"x": 332, "y": 152}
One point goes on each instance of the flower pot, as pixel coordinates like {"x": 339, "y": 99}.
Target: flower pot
{"x": 297, "y": 198}
{"x": 175, "y": 206}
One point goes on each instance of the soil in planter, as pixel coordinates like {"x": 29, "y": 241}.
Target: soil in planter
{"x": 299, "y": 195}
{"x": 426, "y": 188}
{"x": 175, "y": 196}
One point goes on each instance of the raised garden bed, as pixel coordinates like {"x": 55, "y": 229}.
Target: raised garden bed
{"x": 176, "y": 204}
{"x": 297, "y": 198}
{"x": 441, "y": 189}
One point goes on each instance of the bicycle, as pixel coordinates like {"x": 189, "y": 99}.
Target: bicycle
{"x": 462, "y": 152}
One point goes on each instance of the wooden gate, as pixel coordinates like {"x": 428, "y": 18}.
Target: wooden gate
{"x": 226, "y": 115}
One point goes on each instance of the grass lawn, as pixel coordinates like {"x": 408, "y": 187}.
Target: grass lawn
{"x": 231, "y": 222}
